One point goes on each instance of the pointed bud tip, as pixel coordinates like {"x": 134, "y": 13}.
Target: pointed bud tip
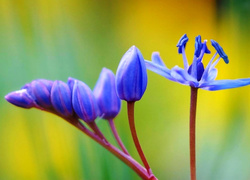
{"x": 20, "y": 98}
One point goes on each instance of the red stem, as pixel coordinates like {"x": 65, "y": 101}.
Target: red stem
{"x": 116, "y": 135}
{"x": 95, "y": 128}
{"x": 134, "y": 165}
{"x": 193, "y": 105}
{"x": 141, "y": 171}
{"x": 130, "y": 107}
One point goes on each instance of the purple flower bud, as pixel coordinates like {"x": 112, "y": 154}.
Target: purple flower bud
{"x": 131, "y": 76}
{"x": 20, "y": 98}
{"x": 105, "y": 93}
{"x": 83, "y": 100}
{"x": 40, "y": 90}
{"x": 61, "y": 98}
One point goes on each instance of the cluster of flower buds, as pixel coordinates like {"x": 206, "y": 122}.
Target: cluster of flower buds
{"x": 76, "y": 98}
{"x": 66, "y": 99}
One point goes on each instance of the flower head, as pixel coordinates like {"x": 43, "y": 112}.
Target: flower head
{"x": 196, "y": 75}
{"x": 83, "y": 100}
{"x": 61, "y": 98}
{"x": 40, "y": 90}
{"x": 131, "y": 76}
{"x": 105, "y": 93}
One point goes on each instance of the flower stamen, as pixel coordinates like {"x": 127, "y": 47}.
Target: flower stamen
{"x": 185, "y": 61}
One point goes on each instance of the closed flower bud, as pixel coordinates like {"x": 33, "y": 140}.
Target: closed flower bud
{"x": 83, "y": 100}
{"x": 21, "y": 98}
{"x": 105, "y": 94}
{"x": 41, "y": 90}
{"x": 131, "y": 76}
{"x": 61, "y": 98}
{"x": 71, "y": 82}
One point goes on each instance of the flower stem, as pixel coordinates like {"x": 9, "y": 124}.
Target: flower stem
{"x": 116, "y": 135}
{"x": 141, "y": 171}
{"x": 95, "y": 128}
{"x": 193, "y": 104}
{"x": 130, "y": 107}
{"x": 128, "y": 160}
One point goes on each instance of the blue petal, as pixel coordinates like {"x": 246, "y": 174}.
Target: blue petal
{"x": 131, "y": 76}
{"x": 161, "y": 70}
{"x": 220, "y": 51}
{"x": 106, "y": 96}
{"x": 84, "y": 102}
{"x": 157, "y": 59}
{"x": 210, "y": 76}
{"x": 61, "y": 98}
{"x": 182, "y": 76}
{"x": 225, "y": 84}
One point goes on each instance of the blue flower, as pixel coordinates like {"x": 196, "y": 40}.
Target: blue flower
{"x": 61, "y": 98}
{"x": 83, "y": 100}
{"x": 105, "y": 93}
{"x": 196, "y": 75}
{"x": 131, "y": 76}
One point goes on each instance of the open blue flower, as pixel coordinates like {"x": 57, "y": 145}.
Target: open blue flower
{"x": 196, "y": 75}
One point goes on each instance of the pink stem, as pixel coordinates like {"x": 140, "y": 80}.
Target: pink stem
{"x": 193, "y": 104}
{"x": 95, "y": 128}
{"x": 141, "y": 171}
{"x": 117, "y": 137}
{"x": 130, "y": 107}
{"x": 134, "y": 165}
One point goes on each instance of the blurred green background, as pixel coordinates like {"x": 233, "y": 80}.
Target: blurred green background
{"x": 55, "y": 39}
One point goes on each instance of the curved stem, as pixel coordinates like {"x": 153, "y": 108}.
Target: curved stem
{"x": 130, "y": 106}
{"x": 116, "y": 135}
{"x": 128, "y": 160}
{"x": 141, "y": 171}
{"x": 193, "y": 105}
{"x": 95, "y": 128}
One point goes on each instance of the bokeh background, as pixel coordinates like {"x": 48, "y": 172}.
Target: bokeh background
{"x": 55, "y": 39}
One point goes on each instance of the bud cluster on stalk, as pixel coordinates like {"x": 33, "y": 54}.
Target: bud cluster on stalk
{"x": 75, "y": 98}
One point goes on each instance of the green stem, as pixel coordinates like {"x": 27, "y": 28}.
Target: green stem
{"x": 193, "y": 105}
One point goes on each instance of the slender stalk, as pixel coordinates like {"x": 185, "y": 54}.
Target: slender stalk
{"x": 128, "y": 160}
{"x": 116, "y": 135}
{"x": 130, "y": 107}
{"x": 141, "y": 171}
{"x": 193, "y": 105}
{"x": 95, "y": 128}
